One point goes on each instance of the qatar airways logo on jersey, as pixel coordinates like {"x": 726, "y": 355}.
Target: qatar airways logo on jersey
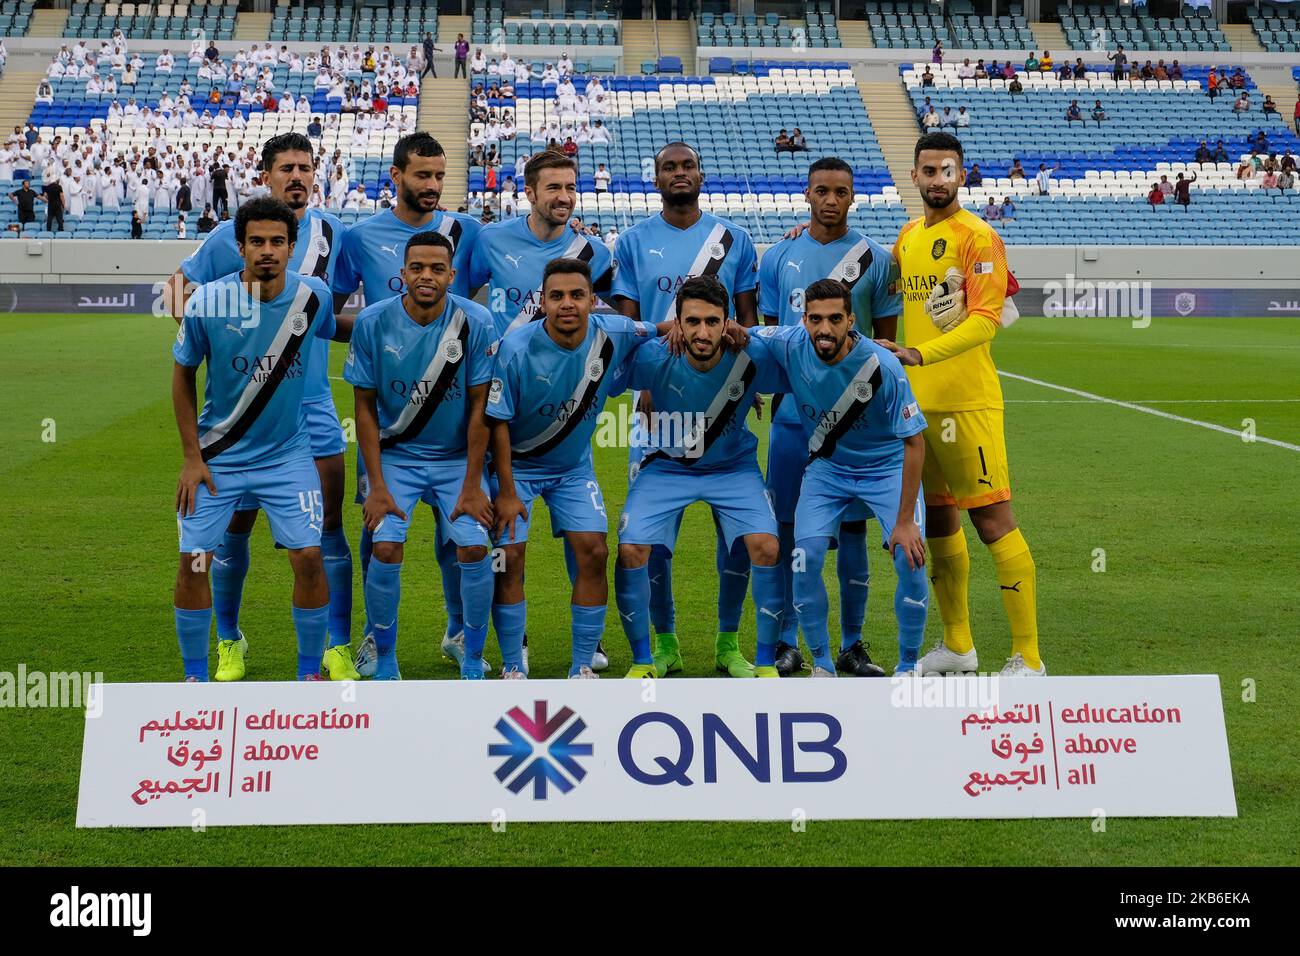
{"x": 418, "y": 391}
{"x": 916, "y": 288}
{"x": 671, "y": 283}
{"x": 265, "y": 368}
{"x": 829, "y": 417}
{"x": 563, "y": 411}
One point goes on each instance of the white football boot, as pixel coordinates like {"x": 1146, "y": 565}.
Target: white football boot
{"x": 941, "y": 659}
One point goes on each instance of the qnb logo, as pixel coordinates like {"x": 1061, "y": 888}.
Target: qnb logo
{"x": 75, "y": 909}
{"x": 540, "y": 750}
{"x": 666, "y": 752}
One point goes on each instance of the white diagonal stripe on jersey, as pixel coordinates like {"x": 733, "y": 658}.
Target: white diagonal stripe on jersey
{"x": 702, "y": 259}
{"x": 251, "y": 390}
{"x": 431, "y": 374}
{"x": 860, "y": 248}
{"x": 597, "y": 343}
{"x": 846, "y": 401}
{"x": 530, "y": 309}
{"x": 721, "y": 399}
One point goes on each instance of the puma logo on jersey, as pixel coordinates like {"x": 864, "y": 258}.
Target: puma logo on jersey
{"x": 513, "y": 260}
{"x": 236, "y": 330}
{"x": 796, "y": 266}
{"x": 545, "y": 378}
{"x": 657, "y": 252}
{"x": 679, "y": 389}
{"x": 395, "y": 349}
{"x": 388, "y": 249}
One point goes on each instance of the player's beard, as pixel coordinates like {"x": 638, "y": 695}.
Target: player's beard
{"x": 705, "y": 356}
{"x": 936, "y": 203}
{"x": 411, "y": 199}
{"x": 681, "y": 198}
{"x": 293, "y": 200}
{"x": 827, "y": 355}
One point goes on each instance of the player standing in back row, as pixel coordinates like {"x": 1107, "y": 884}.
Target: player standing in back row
{"x": 953, "y": 275}
{"x": 372, "y": 256}
{"x": 654, "y": 258}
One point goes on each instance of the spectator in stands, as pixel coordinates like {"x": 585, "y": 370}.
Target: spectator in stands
{"x": 927, "y": 78}
{"x": 602, "y": 178}
{"x": 924, "y": 108}
{"x": 1269, "y": 105}
{"x": 797, "y": 142}
{"x": 1288, "y": 163}
{"x": 478, "y": 64}
{"x": 25, "y": 199}
{"x": 185, "y": 199}
{"x": 462, "y": 54}
{"x": 1080, "y": 70}
{"x": 1044, "y": 178}
{"x": 1203, "y": 154}
{"x": 1045, "y": 65}
{"x": 53, "y": 199}
{"x": 1072, "y": 113}
{"x": 1009, "y": 71}
{"x": 1016, "y": 171}
{"x": 1242, "y": 103}
{"x": 1008, "y": 209}
{"x": 782, "y": 142}
{"x": 1175, "y": 71}
{"x": 1119, "y": 58}
{"x": 1098, "y": 113}
{"x": 429, "y": 50}
{"x": 949, "y": 118}
{"x": 1269, "y": 179}
{"x": 207, "y": 222}
{"x": 130, "y": 77}
{"x": 981, "y": 71}
{"x": 1166, "y": 186}
{"x": 962, "y": 120}
{"x": 992, "y": 211}
{"x": 1238, "y": 79}
{"x": 1183, "y": 190}
{"x": 220, "y": 179}
{"x": 212, "y": 53}
{"x": 1148, "y": 71}
{"x": 1220, "y": 154}
{"x": 45, "y": 92}
{"x": 1161, "y": 72}
{"x": 1212, "y": 83}
{"x": 936, "y": 55}
{"x": 966, "y": 71}
{"x": 1031, "y": 63}
{"x": 137, "y": 225}
{"x": 974, "y": 178}
{"x": 180, "y": 226}
{"x": 1064, "y": 73}
{"x": 1156, "y": 197}
{"x": 1286, "y": 180}
{"x": 570, "y": 148}
{"x": 930, "y": 120}
{"x": 1015, "y": 86}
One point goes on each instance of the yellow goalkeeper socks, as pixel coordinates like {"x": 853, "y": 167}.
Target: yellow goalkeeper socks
{"x": 949, "y": 570}
{"x": 1016, "y": 581}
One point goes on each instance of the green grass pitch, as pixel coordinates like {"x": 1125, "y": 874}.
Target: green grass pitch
{"x": 1198, "y": 529}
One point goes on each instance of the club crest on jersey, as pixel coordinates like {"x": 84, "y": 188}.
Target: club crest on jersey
{"x": 862, "y": 390}
{"x": 716, "y": 250}
{"x": 939, "y": 248}
{"x": 851, "y": 270}
{"x": 494, "y": 392}
{"x": 451, "y": 350}
{"x": 595, "y": 369}
{"x": 735, "y": 390}
{"x": 298, "y": 323}
{"x": 322, "y": 246}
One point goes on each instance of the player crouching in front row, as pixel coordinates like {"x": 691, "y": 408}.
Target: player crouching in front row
{"x": 253, "y": 329}
{"x": 420, "y": 364}
{"x": 864, "y": 444}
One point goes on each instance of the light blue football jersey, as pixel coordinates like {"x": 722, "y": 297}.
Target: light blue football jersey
{"x": 861, "y": 263}
{"x": 374, "y": 251}
{"x": 551, "y": 396}
{"x": 253, "y": 412}
{"x": 853, "y": 412}
{"x": 654, "y": 259}
{"x": 421, "y": 374}
{"x": 700, "y": 417}
{"x": 315, "y": 253}
{"x": 510, "y": 260}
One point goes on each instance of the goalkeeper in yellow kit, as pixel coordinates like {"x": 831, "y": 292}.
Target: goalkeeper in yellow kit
{"x": 955, "y": 286}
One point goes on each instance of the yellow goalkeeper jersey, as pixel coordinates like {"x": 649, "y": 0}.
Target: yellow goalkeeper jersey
{"x": 963, "y": 241}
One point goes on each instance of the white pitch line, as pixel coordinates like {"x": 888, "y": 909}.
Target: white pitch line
{"x": 1159, "y": 401}
{"x": 1236, "y": 433}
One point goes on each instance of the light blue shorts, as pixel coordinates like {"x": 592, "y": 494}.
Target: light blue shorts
{"x": 288, "y": 493}
{"x": 662, "y": 491}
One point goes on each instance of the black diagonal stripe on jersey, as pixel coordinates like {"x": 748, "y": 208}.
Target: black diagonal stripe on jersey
{"x": 321, "y": 267}
{"x": 848, "y": 417}
{"x": 590, "y": 388}
{"x": 714, "y": 264}
{"x": 531, "y": 311}
{"x": 864, "y": 263}
{"x": 721, "y": 419}
{"x": 273, "y": 379}
{"x": 452, "y": 229}
{"x": 440, "y": 386}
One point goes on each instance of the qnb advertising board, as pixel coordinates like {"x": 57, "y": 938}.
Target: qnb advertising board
{"x": 451, "y": 751}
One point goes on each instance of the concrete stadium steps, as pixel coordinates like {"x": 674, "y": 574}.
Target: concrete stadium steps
{"x": 17, "y": 94}
{"x": 1050, "y": 36}
{"x": 47, "y": 23}
{"x": 448, "y": 27}
{"x": 1242, "y": 39}
{"x": 639, "y": 45}
{"x": 444, "y": 114}
{"x": 894, "y": 121}
{"x": 253, "y": 26}
{"x": 856, "y": 34}
{"x": 1277, "y": 83}
{"x": 676, "y": 38}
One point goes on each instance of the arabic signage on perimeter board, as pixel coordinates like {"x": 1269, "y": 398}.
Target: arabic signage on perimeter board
{"x": 140, "y": 298}
{"x": 174, "y": 754}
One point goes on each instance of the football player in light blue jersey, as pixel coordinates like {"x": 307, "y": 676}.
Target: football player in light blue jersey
{"x": 863, "y": 432}
{"x": 549, "y": 386}
{"x": 509, "y": 257}
{"x": 420, "y": 363}
{"x": 828, "y": 249}
{"x": 289, "y": 165}
{"x": 700, "y": 450}
{"x": 372, "y": 256}
{"x": 654, "y": 258}
{"x": 254, "y": 329}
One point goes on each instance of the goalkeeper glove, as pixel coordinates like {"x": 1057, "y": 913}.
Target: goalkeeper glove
{"x": 947, "y": 303}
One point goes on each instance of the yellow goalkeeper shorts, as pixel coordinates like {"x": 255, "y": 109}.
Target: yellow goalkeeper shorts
{"x": 965, "y": 459}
